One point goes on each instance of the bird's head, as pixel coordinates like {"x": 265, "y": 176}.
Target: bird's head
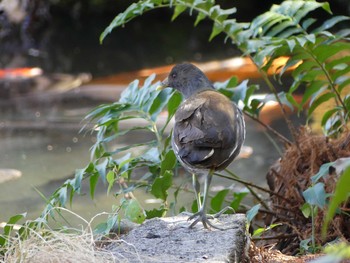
{"x": 188, "y": 79}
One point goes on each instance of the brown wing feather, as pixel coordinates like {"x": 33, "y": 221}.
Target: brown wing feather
{"x": 205, "y": 131}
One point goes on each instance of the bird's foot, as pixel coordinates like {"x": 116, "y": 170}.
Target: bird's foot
{"x": 204, "y": 218}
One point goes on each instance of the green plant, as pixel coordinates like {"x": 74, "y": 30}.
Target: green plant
{"x": 115, "y": 166}
{"x": 319, "y": 59}
{"x": 285, "y": 30}
{"x": 316, "y": 198}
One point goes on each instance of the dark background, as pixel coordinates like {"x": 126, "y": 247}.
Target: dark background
{"x": 63, "y": 36}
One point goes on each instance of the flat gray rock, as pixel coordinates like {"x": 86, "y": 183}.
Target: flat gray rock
{"x": 170, "y": 239}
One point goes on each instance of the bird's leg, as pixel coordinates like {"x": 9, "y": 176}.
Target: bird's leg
{"x": 201, "y": 215}
{"x": 197, "y": 188}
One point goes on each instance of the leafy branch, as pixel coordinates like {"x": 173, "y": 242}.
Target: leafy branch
{"x": 284, "y": 30}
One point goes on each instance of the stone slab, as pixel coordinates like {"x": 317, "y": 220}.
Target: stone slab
{"x": 171, "y": 240}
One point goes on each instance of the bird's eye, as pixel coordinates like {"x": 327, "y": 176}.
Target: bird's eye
{"x": 173, "y": 75}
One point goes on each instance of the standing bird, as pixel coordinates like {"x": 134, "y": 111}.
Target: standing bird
{"x": 208, "y": 133}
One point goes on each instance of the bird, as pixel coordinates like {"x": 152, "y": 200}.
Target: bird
{"x": 208, "y": 133}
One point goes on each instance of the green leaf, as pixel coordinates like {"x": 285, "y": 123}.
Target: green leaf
{"x": 281, "y": 27}
{"x": 156, "y": 213}
{"x": 324, "y": 52}
{"x": 330, "y": 23}
{"x": 151, "y": 155}
{"x": 123, "y": 165}
{"x": 105, "y": 227}
{"x": 173, "y": 104}
{"x": 291, "y": 44}
{"x": 262, "y": 230}
{"x": 233, "y": 91}
{"x": 333, "y": 64}
{"x": 292, "y": 102}
{"x": 307, "y": 8}
{"x": 101, "y": 168}
{"x": 177, "y": 11}
{"x": 217, "y": 29}
{"x": 323, "y": 171}
{"x": 252, "y": 212}
{"x": 199, "y": 18}
{"x": 8, "y": 228}
{"x": 160, "y": 102}
{"x": 93, "y": 183}
{"x": 306, "y": 209}
{"x": 316, "y": 195}
{"x": 286, "y": 99}
{"x": 249, "y": 92}
{"x": 194, "y": 206}
{"x": 304, "y": 244}
{"x": 340, "y": 73}
{"x": 302, "y": 40}
{"x": 341, "y": 195}
{"x": 143, "y": 95}
{"x": 315, "y": 87}
{"x": 270, "y": 23}
{"x": 101, "y": 229}
{"x": 254, "y": 107}
{"x": 161, "y": 185}
{"x": 308, "y": 22}
{"x": 305, "y": 66}
{"x": 268, "y": 18}
{"x": 327, "y": 115}
{"x": 237, "y": 199}
{"x": 133, "y": 211}
{"x": 267, "y": 51}
{"x": 345, "y": 82}
{"x": 326, "y": 7}
{"x": 128, "y": 95}
{"x": 78, "y": 178}
{"x": 290, "y": 63}
{"x": 168, "y": 163}
{"x": 321, "y": 99}
{"x": 62, "y": 195}
{"x": 218, "y": 200}
{"x": 230, "y": 83}
{"x": 110, "y": 180}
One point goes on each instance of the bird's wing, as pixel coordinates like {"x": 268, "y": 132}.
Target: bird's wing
{"x": 188, "y": 108}
{"x": 195, "y": 133}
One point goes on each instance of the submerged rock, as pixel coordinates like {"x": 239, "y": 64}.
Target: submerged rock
{"x": 9, "y": 174}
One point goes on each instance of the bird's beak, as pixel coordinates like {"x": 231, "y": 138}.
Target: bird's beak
{"x": 164, "y": 84}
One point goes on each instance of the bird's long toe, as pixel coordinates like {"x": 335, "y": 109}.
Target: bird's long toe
{"x": 204, "y": 218}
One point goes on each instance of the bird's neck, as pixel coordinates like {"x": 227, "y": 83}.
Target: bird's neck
{"x": 196, "y": 87}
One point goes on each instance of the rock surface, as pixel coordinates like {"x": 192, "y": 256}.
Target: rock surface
{"x": 9, "y": 174}
{"x": 171, "y": 240}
